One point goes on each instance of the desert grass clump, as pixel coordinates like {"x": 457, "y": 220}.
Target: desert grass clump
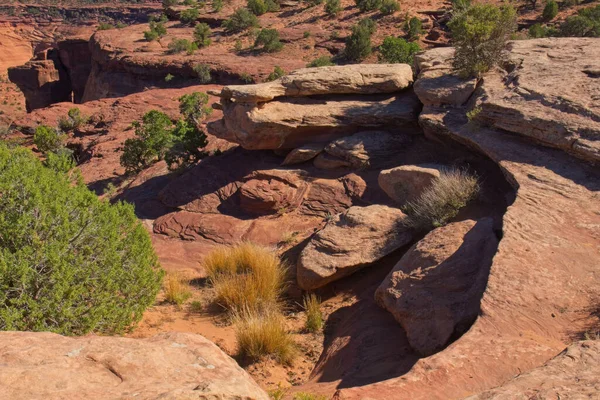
{"x": 314, "y": 316}
{"x": 441, "y": 201}
{"x": 245, "y": 277}
{"x": 177, "y": 289}
{"x": 263, "y": 334}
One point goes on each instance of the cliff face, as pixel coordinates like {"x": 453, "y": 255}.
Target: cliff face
{"x": 75, "y": 56}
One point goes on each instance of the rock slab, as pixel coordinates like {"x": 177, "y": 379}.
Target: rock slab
{"x": 435, "y": 289}
{"x": 169, "y": 366}
{"x": 406, "y": 183}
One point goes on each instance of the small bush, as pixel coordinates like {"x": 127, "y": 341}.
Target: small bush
{"x": 585, "y": 24}
{"x": 245, "y": 277}
{"x": 177, "y": 289}
{"x": 217, "y": 5}
{"x": 389, "y": 7}
{"x": 269, "y": 40}
{"x": 368, "y": 24}
{"x": 460, "y": 5}
{"x": 60, "y": 160}
{"x": 121, "y": 25}
{"x": 151, "y": 144}
{"x": 169, "y": 3}
{"x": 397, "y": 50}
{"x": 480, "y": 34}
{"x": 104, "y": 26}
{"x": 150, "y": 36}
{"x": 241, "y": 20}
{"x": 413, "y": 28}
{"x": 202, "y": 34}
{"x": 368, "y": 5}
{"x": 322, "y": 61}
{"x": 277, "y": 73}
{"x": 169, "y": 78}
{"x": 537, "y": 31}
{"x": 314, "y": 316}
{"x": 196, "y": 307}
{"x": 70, "y": 263}
{"x": 333, "y": 7}
{"x": 203, "y": 73}
{"x": 258, "y": 7}
{"x": 550, "y": 11}
{"x": 190, "y": 3}
{"x": 272, "y": 5}
{"x": 157, "y": 29}
{"x": 189, "y": 16}
{"x": 74, "y": 120}
{"x": 263, "y": 335}
{"x": 441, "y": 201}
{"x": 308, "y": 396}
{"x": 48, "y": 139}
{"x": 180, "y": 45}
{"x": 358, "y": 44}
{"x": 246, "y": 78}
{"x": 314, "y": 3}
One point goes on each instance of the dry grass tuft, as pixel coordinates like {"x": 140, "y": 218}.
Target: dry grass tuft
{"x": 263, "y": 334}
{"x": 246, "y": 277}
{"x": 441, "y": 202}
{"x": 177, "y": 289}
{"x": 308, "y": 396}
{"x": 314, "y": 316}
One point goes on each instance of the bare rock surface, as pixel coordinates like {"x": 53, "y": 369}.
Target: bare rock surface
{"x": 272, "y": 191}
{"x": 303, "y": 153}
{"x": 167, "y": 366}
{"x": 290, "y": 122}
{"x": 365, "y": 149}
{"x": 350, "y": 241}
{"x": 573, "y": 374}
{"x": 339, "y": 79}
{"x": 435, "y": 289}
{"x": 542, "y": 288}
{"x": 406, "y": 182}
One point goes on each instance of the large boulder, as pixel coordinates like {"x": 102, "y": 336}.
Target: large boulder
{"x": 341, "y": 79}
{"x": 168, "y": 366}
{"x": 367, "y": 148}
{"x": 573, "y": 374}
{"x": 406, "y": 182}
{"x": 291, "y": 122}
{"x": 435, "y": 289}
{"x": 272, "y": 191}
{"x": 350, "y": 241}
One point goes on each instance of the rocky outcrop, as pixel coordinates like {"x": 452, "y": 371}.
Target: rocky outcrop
{"x": 303, "y": 153}
{"x": 542, "y": 282}
{"x": 435, "y": 289}
{"x": 317, "y": 105}
{"x": 406, "y": 183}
{"x": 573, "y": 374}
{"x": 351, "y": 241}
{"x": 365, "y": 149}
{"x": 43, "y": 81}
{"x": 166, "y": 366}
{"x": 75, "y": 56}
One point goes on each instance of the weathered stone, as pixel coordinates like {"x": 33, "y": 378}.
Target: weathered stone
{"x": 435, "y": 289}
{"x": 364, "y": 149}
{"x": 291, "y": 122}
{"x": 303, "y": 153}
{"x": 345, "y": 79}
{"x": 573, "y": 374}
{"x": 272, "y": 191}
{"x": 406, "y": 183}
{"x": 327, "y": 161}
{"x": 350, "y": 241}
{"x": 168, "y": 366}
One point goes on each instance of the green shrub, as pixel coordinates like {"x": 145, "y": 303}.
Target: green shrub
{"x": 190, "y": 3}
{"x": 322, "y": 61}
{"x": 169, "y": 3}
{"x": 203, "y": 73}
{"x": 368, "y": 24}
{"x": 241, "y": 20}
{"x": 169, "y": 78}
{"x": 157, "y": 29}
{"x": 74, "y": 120}
{"x": 550, "y": 11}
{"x": 269, "y": 40}
{"x": 313, "y": 3}
{"x": 358, "y": 44}
{"x": 121, "y": 25}
{"x": 480, "y": 34}
{"x": 308, "y": 396}
{"x": 181, "y": 45}
{"x": 60, "y": 160}
{"x": 413, "y": 28}
{"x": 441, "y": 201}
{"x": 69, "y": 262}
{"x": 189, "y": 16}
{"x": 217, "y": 5}
{"x": 150, "y": 36}
{"x": 104, "y": 26}
{"x": 397, "y": 50}
{"x": 246, "y": 78}
{"x": 585, "y": 24}
{"x": 151, "y": 144}
{"x": 333, "y": 7}
{"x": 537, "y": 31}
{"x": 368, "y": 5}
{"x": 388, "y": 7}
{"x": 202, "y": 34}
{"x": 460, "y": 5}
{"x": 277, "y": 73}
{"x": 258, "y": 7}
{"x": 272, "y": 5}
{"x": 48, "y": 139}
